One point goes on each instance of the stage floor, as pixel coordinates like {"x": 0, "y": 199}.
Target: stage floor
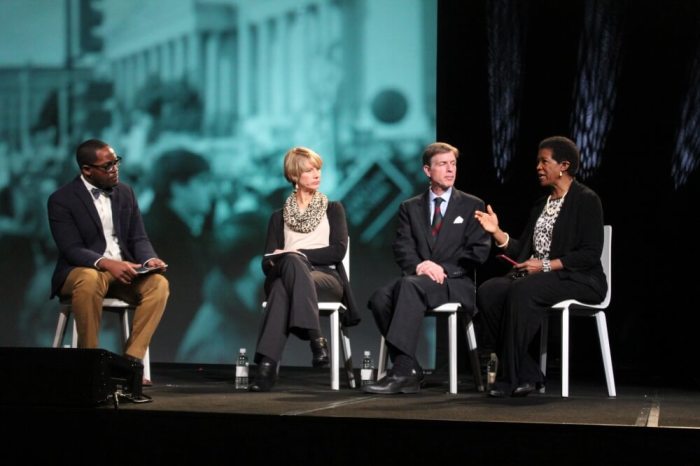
{"x": 197, "y": 417}
{"x": 305, "y": 391}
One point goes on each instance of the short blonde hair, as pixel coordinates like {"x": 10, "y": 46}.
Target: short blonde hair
{"x": 294, "y": 162}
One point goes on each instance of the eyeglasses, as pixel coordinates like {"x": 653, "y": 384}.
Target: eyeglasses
{"x": 109, "y": 166}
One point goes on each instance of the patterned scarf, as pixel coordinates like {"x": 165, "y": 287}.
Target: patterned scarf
{"x": 307, "y": 221}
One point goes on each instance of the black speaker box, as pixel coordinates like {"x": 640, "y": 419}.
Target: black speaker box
{"x": 65, "y": 376}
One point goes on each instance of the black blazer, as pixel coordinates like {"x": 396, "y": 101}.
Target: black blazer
{"x": 321, "y": 257}
{"x": 577, "y": 238}
{"x": 77, "y": 230}
{"x": 459, "y": 248}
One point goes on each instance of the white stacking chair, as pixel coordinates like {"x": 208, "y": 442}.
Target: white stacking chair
{"x": 338, "y": 334}
{"x": 118, "y": 306}
{"x": 451, "y": 310}
{"x": 571, "y": 307}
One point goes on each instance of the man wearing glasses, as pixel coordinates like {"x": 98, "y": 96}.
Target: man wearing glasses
{"x": 102, "y": 245}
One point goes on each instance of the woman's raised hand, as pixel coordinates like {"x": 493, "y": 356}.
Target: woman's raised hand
{"x": 488, "y": 219}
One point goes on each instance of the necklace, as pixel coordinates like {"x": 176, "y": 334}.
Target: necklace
{"x": 553, "y": 205}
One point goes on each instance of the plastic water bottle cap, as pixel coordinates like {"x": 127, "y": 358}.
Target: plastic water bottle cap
{"x": 243, "y": 351}
{"x": 366, "y": 353}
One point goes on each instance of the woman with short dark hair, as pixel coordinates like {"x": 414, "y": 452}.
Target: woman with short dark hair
{"x": 557, "y": 257}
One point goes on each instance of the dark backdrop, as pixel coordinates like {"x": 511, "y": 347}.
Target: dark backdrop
{"x": 652, "y": 319}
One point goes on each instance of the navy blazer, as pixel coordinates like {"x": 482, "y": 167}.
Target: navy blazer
{"x": 461, "y": 245}
{"x": 77, "y": 230}
{"x": 577, "y": 238}
{"x": 333, "y": 254}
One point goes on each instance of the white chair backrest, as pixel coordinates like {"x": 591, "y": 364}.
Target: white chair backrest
{"x": 606, "y": 259}
{"x": 346, "y": 260}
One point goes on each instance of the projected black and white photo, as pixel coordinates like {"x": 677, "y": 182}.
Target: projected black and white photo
{"x": 202, "y": 99}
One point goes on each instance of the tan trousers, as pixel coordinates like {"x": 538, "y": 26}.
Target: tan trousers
{"x": 87, "y": 287}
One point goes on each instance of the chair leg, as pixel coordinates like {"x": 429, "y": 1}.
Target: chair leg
{"x": 124, "y": 317}
{"x": 147, "y": 365}
{"x": 347, "y": 356}
{"x": 63, "y": 317}
{"x": 452, "y": 328}
{"x": 544, "y": 334}
{"x": 383, "y": 357}
{"x": 565, "y": 352}
{"x": 605, "y": 351}
{"x": 74, "y": 337}
{"x": 335, "y": 350}
{"x": 474, "y": 356}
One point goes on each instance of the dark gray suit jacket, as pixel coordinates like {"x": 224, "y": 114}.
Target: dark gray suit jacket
{"x": 459, "y": 248}
{"x": 77, "y": 230}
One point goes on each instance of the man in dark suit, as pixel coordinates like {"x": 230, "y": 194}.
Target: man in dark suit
{"x": 101, "y": 240}
{"x": 438, "y": 243}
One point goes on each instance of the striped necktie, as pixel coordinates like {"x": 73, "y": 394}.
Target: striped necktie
{"x": 437, "y": 217}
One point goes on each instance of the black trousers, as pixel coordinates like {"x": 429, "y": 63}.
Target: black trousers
{"x": 293, "y": 290}
{"x": 511, "y": 313}
{"x": 399, "y": 309}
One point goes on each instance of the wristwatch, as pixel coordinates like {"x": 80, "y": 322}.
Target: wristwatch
{"x": 546, "y": 265}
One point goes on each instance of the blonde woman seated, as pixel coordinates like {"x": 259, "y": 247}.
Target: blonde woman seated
{"x": 306, "y": 242}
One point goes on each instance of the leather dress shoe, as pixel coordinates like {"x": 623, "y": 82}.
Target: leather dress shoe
{"x": 133, "y": 359}
{"x": 319, "y": 348}
{"x": 523, "y": 390}
{"x": 393, "y": 384}
{"x": 264, "y": 377}
{"x": 499, "y": 390}
{"x": 420, "y": 375}
{"x": 139, "y": 363}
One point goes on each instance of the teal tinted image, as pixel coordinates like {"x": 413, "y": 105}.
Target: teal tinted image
{"x": 201, "y": 99}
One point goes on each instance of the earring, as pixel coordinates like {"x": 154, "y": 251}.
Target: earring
{"x": 560, "y": 174}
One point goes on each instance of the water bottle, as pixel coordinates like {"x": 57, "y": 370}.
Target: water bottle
{"x": 491, "y": 369}
{"x": 367, "y": 371}
{"x": 242, "y": 370}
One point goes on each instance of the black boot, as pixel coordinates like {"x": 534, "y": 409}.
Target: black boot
{"x": 265, "y": 377}
{"x": 319, "y": 348}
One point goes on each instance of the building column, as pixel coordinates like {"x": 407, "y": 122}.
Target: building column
{"x": 210, "y": 84}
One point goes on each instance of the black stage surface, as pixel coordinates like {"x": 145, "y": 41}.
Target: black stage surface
{"x": 197, "y": 417}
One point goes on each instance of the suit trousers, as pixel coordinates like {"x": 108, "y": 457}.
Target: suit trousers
{"x": 293, "y": 291}
{"x": 87, "y": 287}
{"x": 399, "y": 309}
{"x": 510, "y": 315}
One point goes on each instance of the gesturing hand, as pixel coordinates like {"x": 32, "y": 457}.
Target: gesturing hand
{"x": 488, "y": 219}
